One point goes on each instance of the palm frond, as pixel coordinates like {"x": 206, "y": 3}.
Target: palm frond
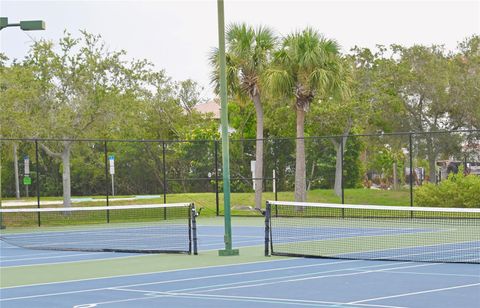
{"x": 279, "y": 82}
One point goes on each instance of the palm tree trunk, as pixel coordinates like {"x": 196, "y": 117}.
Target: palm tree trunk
{"x": 300, "y": 172}
{"x": 258, "y": 153}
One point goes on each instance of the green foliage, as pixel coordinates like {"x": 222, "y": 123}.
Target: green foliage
{"x": 78, "y": 88}
{"x": 306, "y": 67}
{"x": 458, "y": 190}
{"x": 323, "y": 155}
{"x": 241, "y": 117}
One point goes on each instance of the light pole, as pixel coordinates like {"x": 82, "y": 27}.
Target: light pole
{"x": 228, "y": 251}
{"x": 25, "y": 25}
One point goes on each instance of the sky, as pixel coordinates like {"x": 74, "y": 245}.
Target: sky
{"x": 178, "y": 35}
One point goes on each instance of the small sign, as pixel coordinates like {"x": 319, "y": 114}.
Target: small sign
{"x": 26, "y": 163}
{"x": 111, "y": 160}
{"x": 27, "y": 180}
{"x": 252, "y": 168}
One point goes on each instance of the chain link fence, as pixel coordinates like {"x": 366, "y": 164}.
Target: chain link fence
{"x": 340, "y": 169}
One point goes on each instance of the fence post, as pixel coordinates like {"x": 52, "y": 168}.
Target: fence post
{"x": 164, "y": 178}
{"x": 1, "y": 153}
{"x": 275, "y": 179}
{"x": 342, "y": 185}
{"x": 217, "y": 203}
{"x": 38, "y": 180}
{"x": 105, "y": 153}
{"x": 164, "y": 172}
{"x": 410, "y": 151}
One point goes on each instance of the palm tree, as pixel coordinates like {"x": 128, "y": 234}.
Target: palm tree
{"x": 248, "y": 53}
{"x": 307, "y": 68}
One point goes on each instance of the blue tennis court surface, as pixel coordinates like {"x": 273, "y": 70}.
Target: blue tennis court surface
{"x": 268, "y": 282}
{"x": 291, "y": 240}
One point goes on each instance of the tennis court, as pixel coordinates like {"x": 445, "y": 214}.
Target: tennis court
{"x": 42, "y": 278}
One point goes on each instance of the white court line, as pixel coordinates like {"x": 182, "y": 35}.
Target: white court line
{"x": 49, "y": 257}
{"x": 131, "y": 256}
{"x": 434, "y": 274}
{"x": 29, "y": 254}
{"x": 200, "y": 244}
{"x": 198, "y": 278}
{"x": 179, "y": 270}
{"x": 278, "y": 279}
{"x": 238, "y": 298}
{"x": 352, "y": 254}
{"x": 424, "y": 247}
{"x": 257, "y": 299}
{"x": 240, "y": 273}
{"x": 416, "y": 293}
{"x": 285, "y": 301}
{"x": 65, "y": 262}
{"x": 316, "y": 277}
{"x": 251, "y": 285}
{"x": 236, "y": 236}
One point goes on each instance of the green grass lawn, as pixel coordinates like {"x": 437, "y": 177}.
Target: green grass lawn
{"x": 240, "y": 202}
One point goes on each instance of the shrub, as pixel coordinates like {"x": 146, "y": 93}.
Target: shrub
{"x": 458, "y": 190}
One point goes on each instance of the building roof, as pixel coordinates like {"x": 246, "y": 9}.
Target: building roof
{"x": 212, "y": 106}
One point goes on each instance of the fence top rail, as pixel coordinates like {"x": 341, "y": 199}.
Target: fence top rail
{"x": 161, "y": 141}
{"x": 98, "y": 208}
{"x": 375, "y": 207}
{"x": 237, "y": 140}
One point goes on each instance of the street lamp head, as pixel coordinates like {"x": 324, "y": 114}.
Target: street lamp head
{"x": 26, "y": 25}
{"x": 29, "y": 25}
{"x": 3, "y": 22}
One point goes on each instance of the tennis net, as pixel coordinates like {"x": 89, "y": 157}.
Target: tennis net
{"x": 372, "y": 232}
{"x": 150, "y": 228}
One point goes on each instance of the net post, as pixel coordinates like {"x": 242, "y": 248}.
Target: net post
{"x": 267, "y": 228}
{"x": 194, "y": 239}
{"x": 37, "y": 169}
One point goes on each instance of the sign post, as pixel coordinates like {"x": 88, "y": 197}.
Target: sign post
{"x": 27, "y": 180}
{"x": 111, "y": 160}
{"x": 274, "y": 177}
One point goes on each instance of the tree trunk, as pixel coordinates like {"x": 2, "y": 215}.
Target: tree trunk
{"x": 432, "y": 162}
{"x": 300, "y": 172}
{"x": 312, "y": 173}
{"x": 258, "y": 153}
{"x": 66, "y": 177}
{"x": 395, "y": 176}
{"x": 65, "y": 157}
{"x": 338, "y": 168}
{"x": 432, "y": 159}
{"x": 338, "y": 164}
{"x": 15, "y": 166}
